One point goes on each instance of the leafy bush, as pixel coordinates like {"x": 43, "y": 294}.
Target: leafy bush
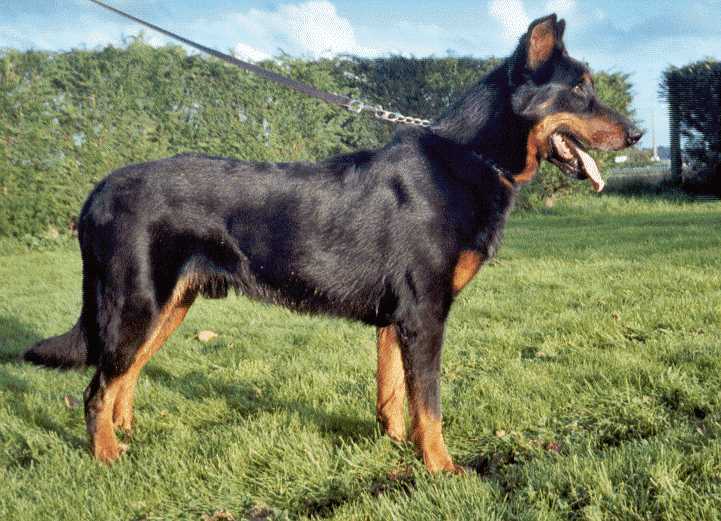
{"x": 696, "y": 92}
{"x": 67, "y": 119}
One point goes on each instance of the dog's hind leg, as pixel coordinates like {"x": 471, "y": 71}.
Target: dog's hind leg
{"x": 137, "y": 334}
{"x": 391, "y": 392}
{"x": 169, "y": 319}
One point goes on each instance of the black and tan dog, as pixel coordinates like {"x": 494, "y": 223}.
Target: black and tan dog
{"x": 387, "y": 237}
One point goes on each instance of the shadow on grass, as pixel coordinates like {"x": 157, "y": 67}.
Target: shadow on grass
{"x": 15, "y": 337}
{"x": 20, "y": 409}
{"x": 246, "y": 399}
{"x": 253, "y": 397}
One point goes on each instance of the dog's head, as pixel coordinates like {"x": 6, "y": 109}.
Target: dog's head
{"x": 555, "y": 94}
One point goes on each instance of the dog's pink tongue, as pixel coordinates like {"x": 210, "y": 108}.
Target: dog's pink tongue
{"x": 591, "y": 169}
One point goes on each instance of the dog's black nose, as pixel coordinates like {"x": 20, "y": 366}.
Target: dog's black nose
{"x": 633, "y": 136}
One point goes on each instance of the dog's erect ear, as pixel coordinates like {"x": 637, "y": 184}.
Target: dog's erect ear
{"x": 543, "y": 37}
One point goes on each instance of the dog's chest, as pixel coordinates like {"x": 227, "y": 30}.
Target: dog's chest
{"x": 468, "y": 264}
{"x": 486, "y": 240}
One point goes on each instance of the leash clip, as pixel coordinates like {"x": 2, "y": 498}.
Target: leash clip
{"x": 356, "y": 106}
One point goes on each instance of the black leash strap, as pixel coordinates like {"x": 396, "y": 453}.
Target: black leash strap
{"x": 334, "y": 99}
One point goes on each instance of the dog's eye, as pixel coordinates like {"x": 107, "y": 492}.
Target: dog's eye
{"x": 580, "y": 88}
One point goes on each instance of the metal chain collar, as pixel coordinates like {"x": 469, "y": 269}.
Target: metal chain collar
{"x": 379, "y": 112}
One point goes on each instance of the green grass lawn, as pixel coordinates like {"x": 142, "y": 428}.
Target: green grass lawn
{"x": 581, "y": 380}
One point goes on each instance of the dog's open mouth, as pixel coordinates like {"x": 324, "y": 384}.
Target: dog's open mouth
{"x": 568, "y": 154}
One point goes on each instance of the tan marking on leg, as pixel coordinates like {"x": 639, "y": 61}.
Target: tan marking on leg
{"x": 469, "y": 262}
{"x": 123, "y": 407}
{"x": 427, "y": 435}
{"x": 112, "y": 404}
{"x": 103, "y": 443}
{"x": 391, "y": 391}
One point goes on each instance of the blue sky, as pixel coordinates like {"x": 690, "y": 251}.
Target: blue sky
{"x": 640, "y": 38}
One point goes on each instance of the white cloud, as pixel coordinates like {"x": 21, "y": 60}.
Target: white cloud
{"x": 561, "y": 7}
{"x": 313, "y": 28}
{"x": 512, "y": 16}
{"x": 249, "y": 53}
{"x": 24, "y": 35}
{"x": 409, "y": 38}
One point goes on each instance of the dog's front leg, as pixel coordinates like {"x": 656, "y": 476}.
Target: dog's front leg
{"x": 390, "y": 398}
{"x": 421, "y": 343}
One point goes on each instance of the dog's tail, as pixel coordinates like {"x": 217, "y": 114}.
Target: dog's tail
{"x": 66, "y": 351}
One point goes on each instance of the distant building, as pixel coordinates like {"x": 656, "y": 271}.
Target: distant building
{"x": 620, "y": 159}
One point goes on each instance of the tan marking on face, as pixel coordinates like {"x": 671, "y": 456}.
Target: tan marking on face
{"x": 537, "y": 145}
{"x": 468, "y": 264}
{"x": 391, "y": 384}
{"x": 598, "y": 133}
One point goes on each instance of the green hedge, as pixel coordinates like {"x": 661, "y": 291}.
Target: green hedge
{"x": 696, "y": 92}
{"x": 67, "y": 119}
